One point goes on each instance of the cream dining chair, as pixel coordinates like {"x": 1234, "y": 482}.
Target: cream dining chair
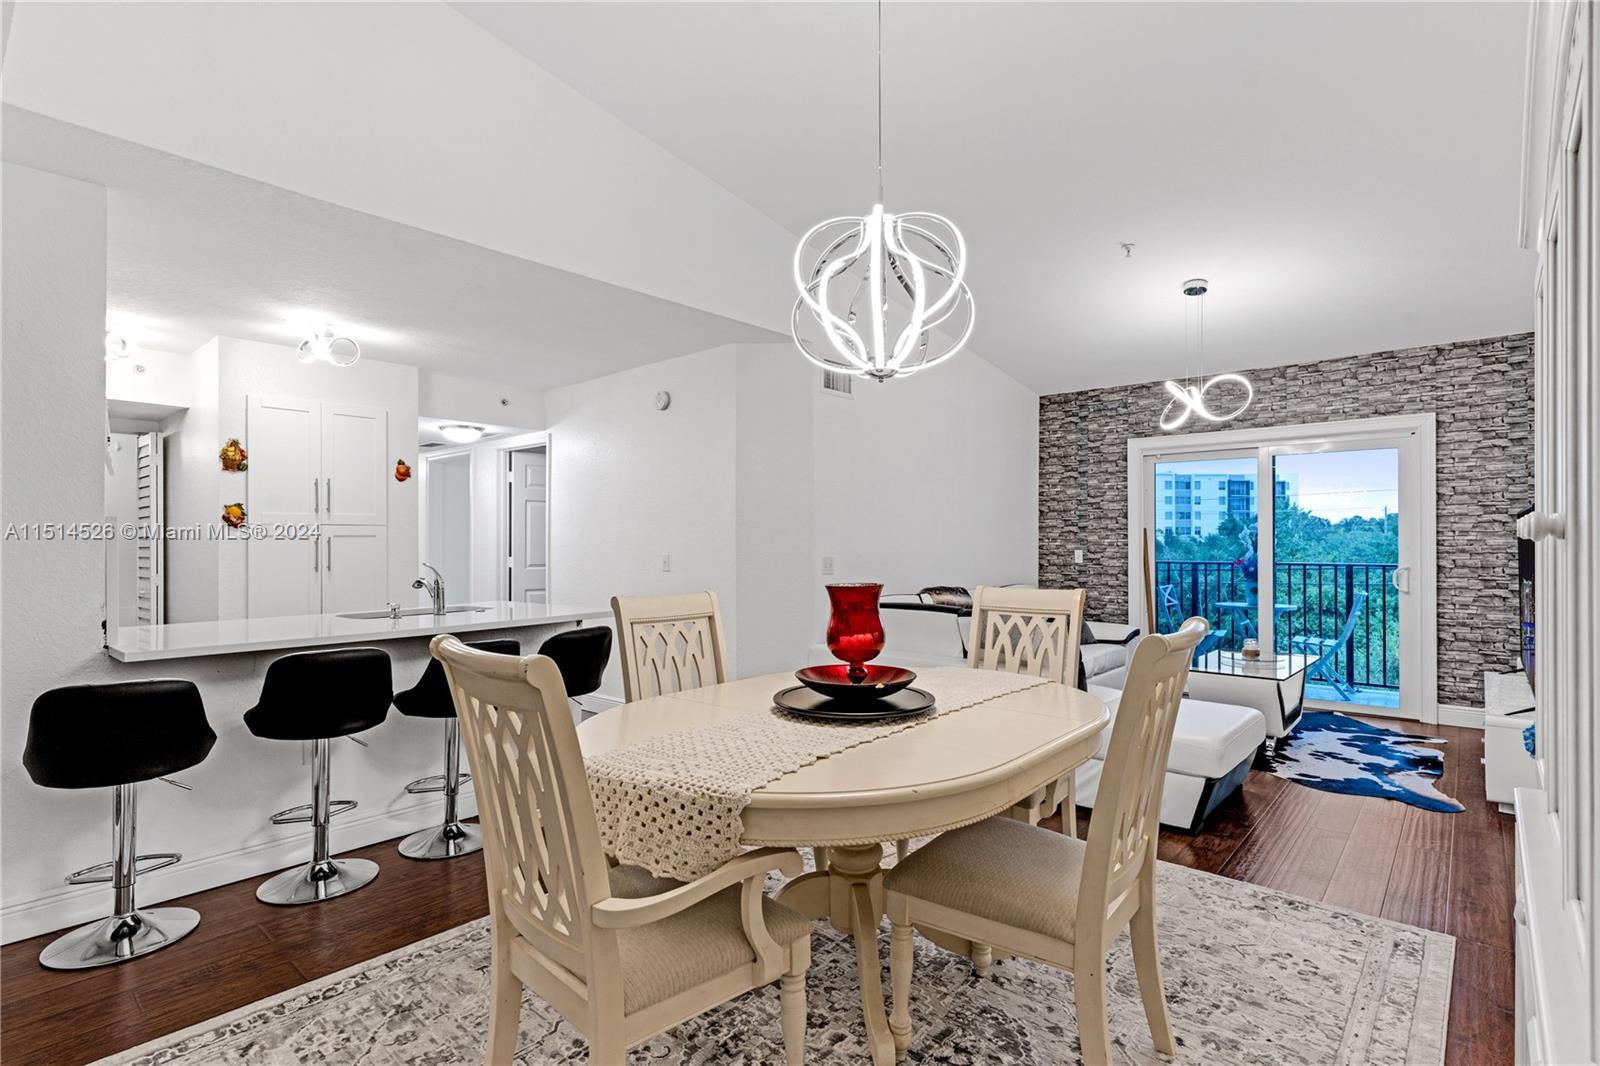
{"x": 619, "y": 953}
{"x": 669, "y": 643}
{"x": 1055, "y": 898}
{"x": 1036, "y": 632}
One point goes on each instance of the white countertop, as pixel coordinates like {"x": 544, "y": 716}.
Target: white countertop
{"x": 182, "y": 640}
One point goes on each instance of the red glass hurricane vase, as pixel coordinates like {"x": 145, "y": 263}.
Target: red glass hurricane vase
{"x": 855, "y": 632}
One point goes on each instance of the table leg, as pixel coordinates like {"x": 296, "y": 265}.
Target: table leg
{"x": 850, "y": 895}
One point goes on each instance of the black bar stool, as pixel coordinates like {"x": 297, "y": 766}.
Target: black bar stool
{"x": 581, "y": 656}
{"x": 100, "y": 736}
{"x": 430, "y": 698}
{"x": 316, "y": 696}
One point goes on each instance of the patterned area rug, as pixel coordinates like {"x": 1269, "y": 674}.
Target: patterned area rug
{"x": 1336, "y": 753}
{"x": 1253, "y": 976}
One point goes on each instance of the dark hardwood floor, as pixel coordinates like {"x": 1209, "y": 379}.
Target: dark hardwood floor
{"x": 1449, "y": 872}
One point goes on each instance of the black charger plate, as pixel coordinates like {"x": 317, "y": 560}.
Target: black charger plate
{"x": 808, "y": 704}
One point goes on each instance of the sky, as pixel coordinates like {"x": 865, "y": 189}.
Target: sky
{"x": 1331, "y": 485}
{"x": 1336, "y": 485}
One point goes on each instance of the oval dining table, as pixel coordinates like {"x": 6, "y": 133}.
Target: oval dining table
{"x": 947, "y": 772}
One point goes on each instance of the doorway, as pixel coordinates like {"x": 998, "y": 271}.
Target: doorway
{"x": 1313, "y": 541}
{"x": 528, "y": 525}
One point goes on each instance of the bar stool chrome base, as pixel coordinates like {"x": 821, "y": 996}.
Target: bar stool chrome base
{"x": 442, "y": 842}
{"x": 317, "y": 881}
{"x": 324, "y": 877}
{"x": 452, "y": 838}
{"x": 119, "y": 938}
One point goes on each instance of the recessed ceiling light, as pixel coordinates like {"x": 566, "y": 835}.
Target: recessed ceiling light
{"x": 460, "y": 433}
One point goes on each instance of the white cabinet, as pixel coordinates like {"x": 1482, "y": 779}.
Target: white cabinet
{"x": 286, "y": 459}
{"x": 354, "y": 568}
{"x": 283, "y": 577}
{"x": 355, "y": 446}
{"x": 318, "y": 487}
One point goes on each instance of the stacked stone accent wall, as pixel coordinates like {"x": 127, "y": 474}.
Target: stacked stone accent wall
{"x": 1481, "y": 393}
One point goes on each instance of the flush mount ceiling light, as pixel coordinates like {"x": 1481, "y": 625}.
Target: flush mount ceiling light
{"x": 461, "y": 433}
{"x": 323, "y": 347}
{"x": 1233, "y": 392}
{"x": 880, "y": 285}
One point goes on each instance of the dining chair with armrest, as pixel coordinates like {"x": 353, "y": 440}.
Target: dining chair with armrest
{"x": 669, "y": 643}
{"x": 1055, "y": 898}
{"x": 620, "y": 954}
{"x": 1034, "y": 632}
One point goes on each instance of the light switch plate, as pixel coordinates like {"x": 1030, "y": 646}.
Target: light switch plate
{"x": 1077, "y": 555}
{"x": 827, "y": 566}
{"x": 666, "y": 564}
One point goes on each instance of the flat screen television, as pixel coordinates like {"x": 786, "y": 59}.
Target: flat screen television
{"x": 1525, "y": 632}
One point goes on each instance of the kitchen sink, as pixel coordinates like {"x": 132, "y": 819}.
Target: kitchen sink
{"x": 412, "y": 612}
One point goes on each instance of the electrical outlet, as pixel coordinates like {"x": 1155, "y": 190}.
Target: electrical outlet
{"x": 666, "y": 564}
{"x": 827, "y": 566}
{"x": 1077, "y": 555}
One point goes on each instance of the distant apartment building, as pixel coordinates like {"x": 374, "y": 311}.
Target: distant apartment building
{"x": 1194, "y": 504}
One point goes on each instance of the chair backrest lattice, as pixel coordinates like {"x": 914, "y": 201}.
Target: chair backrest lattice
{"x": 545, "y": 862}
{"x": 669, "y": 643}
{"x": 1027, "y": 631}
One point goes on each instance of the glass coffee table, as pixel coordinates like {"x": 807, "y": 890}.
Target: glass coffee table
{"x": 1275, "y": 686}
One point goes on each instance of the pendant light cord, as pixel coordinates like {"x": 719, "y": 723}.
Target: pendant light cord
{"x": 880, "y": 101}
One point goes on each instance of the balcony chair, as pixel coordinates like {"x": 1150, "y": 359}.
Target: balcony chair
{"x": 1325, "y": 649}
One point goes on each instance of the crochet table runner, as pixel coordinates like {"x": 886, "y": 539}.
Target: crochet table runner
{"x": 674, "y": 804}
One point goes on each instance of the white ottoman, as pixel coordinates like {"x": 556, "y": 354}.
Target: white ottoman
{"x": 1213, "y": 745}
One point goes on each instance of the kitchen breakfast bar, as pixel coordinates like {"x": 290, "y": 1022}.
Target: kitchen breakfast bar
{"x": 221, "y": 819}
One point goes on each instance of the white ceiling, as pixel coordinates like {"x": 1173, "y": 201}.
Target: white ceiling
{"x": 195, "y": 252}
{"x": 1346, "y": 175}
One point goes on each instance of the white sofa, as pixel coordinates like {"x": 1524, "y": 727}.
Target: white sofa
{"x": 1213, "y": 745}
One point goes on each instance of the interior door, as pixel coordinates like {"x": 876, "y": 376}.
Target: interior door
{"x": 355, "y": 460}
{"x": 528, "y": 509}
{"x": 283, "y": 483}
{"x": 354, "y": 568}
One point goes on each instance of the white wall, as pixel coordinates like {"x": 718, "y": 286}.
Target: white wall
{"x": 192, "y": 471}
{"x": 473, "y": 400}
{"x": 629, "y": 484}
{"x": 753, "y": 474}
{"x": 930, "y": 480}
{"x": 52, "y": 416}
{"x": 774, "y": 484}
{"x": 165, "y": 378}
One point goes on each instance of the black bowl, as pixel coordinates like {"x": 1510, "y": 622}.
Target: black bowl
{"x": 834, "y": 681}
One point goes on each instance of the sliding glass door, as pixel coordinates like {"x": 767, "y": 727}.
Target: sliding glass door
{"x": 1307, "y": 545}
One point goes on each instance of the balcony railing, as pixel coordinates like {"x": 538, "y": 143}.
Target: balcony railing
{"x": 1321, "y": 594}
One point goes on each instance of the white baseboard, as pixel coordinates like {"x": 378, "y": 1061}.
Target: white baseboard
{"x": 1465, "y": 717}
{"x": 73, "y": 905}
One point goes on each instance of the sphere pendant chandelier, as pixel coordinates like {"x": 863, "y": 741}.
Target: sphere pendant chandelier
{"x": 886, "y": 293}
{"x": 1233, "y": 391}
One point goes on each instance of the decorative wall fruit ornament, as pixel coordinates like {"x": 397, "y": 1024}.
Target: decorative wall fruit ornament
{"x": 402, "y": 470}
{"x": 233, "y": 514}
{"x": 234, "y": 458}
